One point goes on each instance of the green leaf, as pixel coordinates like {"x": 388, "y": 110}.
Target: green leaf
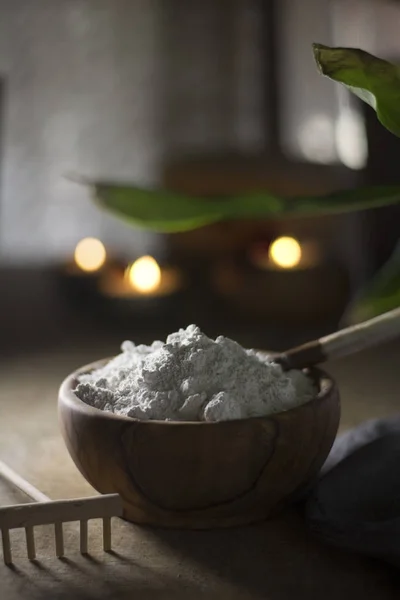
{"x": 168, "y": 212}
{"x": 380, "y": 295}
{"x": 375, "y": 81}
{"x": 157, "y": 210}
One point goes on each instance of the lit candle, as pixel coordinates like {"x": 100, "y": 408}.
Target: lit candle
{"x": 144, "y": 275}
{"x": 89, "y": 257}
{"x": 144, "y": 278}
{"x": 286, "y": 253}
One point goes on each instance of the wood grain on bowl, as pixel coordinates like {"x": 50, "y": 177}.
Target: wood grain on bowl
{"x": 200, "y": 475}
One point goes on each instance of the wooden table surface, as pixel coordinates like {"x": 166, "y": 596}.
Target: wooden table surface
{"x": 277, "y": 560}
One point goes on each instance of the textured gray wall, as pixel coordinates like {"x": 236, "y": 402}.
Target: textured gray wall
{"x": 81, "y": 96}
{"x": 107, "y": 89}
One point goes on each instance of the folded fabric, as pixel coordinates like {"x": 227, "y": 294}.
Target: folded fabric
{"x": 360, "y": 436}
{"x": 356, "y": 502}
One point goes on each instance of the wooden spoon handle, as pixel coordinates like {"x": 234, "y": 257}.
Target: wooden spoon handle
{"x": 344, "y": 342}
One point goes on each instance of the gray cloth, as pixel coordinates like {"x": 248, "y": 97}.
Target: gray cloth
{"x": 358, "y": 437}
{"x": 356, "y": 502}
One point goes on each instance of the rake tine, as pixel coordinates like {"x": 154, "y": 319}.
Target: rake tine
{"x": 7, "y": 556}
{"x": 30, "y": 543}
{"x": 84, "y": 537}
{"x": 58, "y": 531}
{"x": 107, "y": 534}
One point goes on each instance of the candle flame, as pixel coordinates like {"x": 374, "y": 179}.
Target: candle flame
{"x": 144, "y": 274}
{"x": 90, "y": 254}
{"x": 285, "y": 252}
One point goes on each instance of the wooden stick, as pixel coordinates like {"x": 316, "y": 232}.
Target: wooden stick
{"x": 344, "y": 342}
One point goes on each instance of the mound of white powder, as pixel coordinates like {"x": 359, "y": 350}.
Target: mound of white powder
{"x": 193, "y": 378}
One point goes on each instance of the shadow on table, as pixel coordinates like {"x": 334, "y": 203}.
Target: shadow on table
{"x": 92, "y": 578}
{"x": 279, "y": 560}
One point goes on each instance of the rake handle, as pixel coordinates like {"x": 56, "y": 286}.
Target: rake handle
{"x": 19, "y": 482}
{"x": 345, "y": 342}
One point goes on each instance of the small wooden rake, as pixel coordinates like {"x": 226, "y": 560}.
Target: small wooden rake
{"x": 44, "y": 511}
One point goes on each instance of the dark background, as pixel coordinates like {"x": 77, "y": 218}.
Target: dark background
{"x": 43, "y": 305}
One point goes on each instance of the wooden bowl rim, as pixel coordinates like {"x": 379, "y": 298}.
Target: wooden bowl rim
{"x": 66, "y": 394}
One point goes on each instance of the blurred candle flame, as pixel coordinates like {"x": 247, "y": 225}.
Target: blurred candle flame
{"x": 144, "y": 275}
{"x": 285, "y": 252}
{"x": 90, "y": 254}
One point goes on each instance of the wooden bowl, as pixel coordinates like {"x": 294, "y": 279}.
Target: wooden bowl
{"x": 200, "y": 475}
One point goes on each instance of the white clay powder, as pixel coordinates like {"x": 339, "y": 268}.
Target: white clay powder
{"x": 193, "y": 378}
